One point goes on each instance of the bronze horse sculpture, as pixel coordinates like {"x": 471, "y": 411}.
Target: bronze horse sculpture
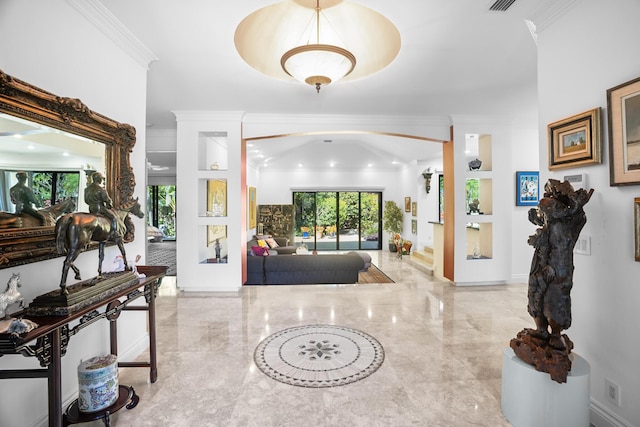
{"x": 50, "y": 215}
{"x": 75, "y": 231}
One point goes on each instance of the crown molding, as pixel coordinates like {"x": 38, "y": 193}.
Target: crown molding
{"x": 341, "y": 120}
{"x": 548, "y": 13}
{"x": 101, "y": 18}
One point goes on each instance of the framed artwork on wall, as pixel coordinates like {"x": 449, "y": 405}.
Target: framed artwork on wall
{"x": 623, "y": 107}
{"x": 636, "y": 223}
{"x": 217, "y": 197}
{"x": 414, "y": 226}
{"x": 527, "y": 188}
{"x": 407, "y": 204}
{"x": 252, "y": 207}
{"x": 575, "y": 141}
{"x": 414, "y": 208}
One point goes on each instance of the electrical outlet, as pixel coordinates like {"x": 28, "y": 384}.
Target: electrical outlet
{"x": 612, "y": 392}
{"x": 583, "y": 245}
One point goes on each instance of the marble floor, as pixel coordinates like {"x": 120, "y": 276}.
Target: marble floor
{"x": 443, "y": 354}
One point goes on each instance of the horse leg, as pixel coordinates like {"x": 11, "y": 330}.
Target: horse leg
{"x": 100, "y": 257}
{"x": 123, "y": 253}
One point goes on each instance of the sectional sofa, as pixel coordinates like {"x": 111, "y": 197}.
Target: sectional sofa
{"x": 295, "y": 269}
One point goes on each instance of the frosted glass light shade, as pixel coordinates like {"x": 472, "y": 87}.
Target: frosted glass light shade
{"x": 267, "y": 35}
{"x": 318, "y": 63}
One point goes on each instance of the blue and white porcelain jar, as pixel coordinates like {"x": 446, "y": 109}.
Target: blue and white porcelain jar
{"x": 97, "y": 383}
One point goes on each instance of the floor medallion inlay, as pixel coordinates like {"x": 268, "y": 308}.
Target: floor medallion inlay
{"x": 319, "y": 355}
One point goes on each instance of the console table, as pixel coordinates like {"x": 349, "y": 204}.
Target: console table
{"x": 48, "y": 342}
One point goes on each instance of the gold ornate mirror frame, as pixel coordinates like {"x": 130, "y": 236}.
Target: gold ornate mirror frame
{"x": 22, "y": 100}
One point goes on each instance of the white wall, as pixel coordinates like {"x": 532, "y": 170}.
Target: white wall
{"x": 48, "y": 44}
{"x": 585, "y": 52}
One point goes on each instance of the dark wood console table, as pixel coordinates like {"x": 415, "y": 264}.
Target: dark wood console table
{"x": 48, "y": 342}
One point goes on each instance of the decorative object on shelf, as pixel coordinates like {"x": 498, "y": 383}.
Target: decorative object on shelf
{"x": 623, "y": 111}
{"x": 215, "y": 233}
{"x": 75, "y": 231}
{"x": 474, "y": 207}
{"x": 414, "y": 208}
{"x": 575, "y": 141}
{"x": 392, "y": 218}
{"x": 97, "y": 383}
{"x": 214, "y": 166}
{"x": 475, "y": 164}
{"x": 322, "y": 44}
{"x": 427, "y": 174}
{"x": 561, "y": 217}
{"x": 527, "y": 188}
{"x": 11, "y": 295}
{"x": 407, "y": 204}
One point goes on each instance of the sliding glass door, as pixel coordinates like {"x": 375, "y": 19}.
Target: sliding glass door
{"x": 332, "y": 220}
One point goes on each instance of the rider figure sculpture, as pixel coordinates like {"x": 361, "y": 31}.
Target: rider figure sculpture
{"x": 99, "y": 201}
{"x": 23, "y": 197}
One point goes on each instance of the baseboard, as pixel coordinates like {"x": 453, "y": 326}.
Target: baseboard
{"x": 519, "y": 278}
{"x": 601, "y": 416}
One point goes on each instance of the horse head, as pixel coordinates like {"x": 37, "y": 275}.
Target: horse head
{"x": 133, "y": 207}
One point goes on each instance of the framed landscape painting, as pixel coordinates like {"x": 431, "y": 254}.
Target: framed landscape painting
{"x": 575, "y": 141}
{"x": 527, "y": 188}
{"x": 623, "y": 106}
{"x": 407, "y": 204}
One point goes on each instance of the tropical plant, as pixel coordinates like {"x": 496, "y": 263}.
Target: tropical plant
{"x": 392, "y": 217}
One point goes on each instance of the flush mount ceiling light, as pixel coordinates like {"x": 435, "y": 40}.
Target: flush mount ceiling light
{"x": 317, "y": 42}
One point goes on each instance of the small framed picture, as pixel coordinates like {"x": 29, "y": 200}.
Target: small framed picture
{"x": 636, "y": 220}
{"x": 414, "y": 208}
{"x": 407, "y": 204}
{"x": 623, "y": 107}
{"x": 527, "y": 188}
{"x": 575, "y": 141}
{"x": 414, "y": 226}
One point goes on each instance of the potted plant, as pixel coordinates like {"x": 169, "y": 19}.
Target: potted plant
{"x": 392, "y": 220}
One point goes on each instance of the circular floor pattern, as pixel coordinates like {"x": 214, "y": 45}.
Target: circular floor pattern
{"x": 319, "y": 355}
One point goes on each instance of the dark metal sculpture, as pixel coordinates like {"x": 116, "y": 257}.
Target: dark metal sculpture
{"x": 561, "y": 217}
{"x": 75, "y": 231}
{"x": 49, "y": 215}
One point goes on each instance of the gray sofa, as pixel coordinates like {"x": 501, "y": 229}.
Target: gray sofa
{"x": 303, "y": 269}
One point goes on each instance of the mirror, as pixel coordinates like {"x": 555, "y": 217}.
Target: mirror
{"x": 41, "y": 134}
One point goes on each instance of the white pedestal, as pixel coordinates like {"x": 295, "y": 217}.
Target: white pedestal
{"x": 532, "y": 399}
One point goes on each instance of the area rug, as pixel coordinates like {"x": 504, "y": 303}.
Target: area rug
{"x": 373, "y": 275}
{"x": 318, "y": 356}
{"x": 163, "y": 253}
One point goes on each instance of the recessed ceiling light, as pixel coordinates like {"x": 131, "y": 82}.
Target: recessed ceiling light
{"x": 332, "y": 164}
{"x": 299, "y": 165}
{"x": 370, "y": 164}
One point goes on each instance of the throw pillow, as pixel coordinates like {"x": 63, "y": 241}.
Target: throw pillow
{"x": 262, "y": 243}
{"x": 272, "y": 243}
{"x": 260, "y": 251}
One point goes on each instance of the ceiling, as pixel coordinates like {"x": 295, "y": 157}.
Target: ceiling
{"x": 457, "y": 58}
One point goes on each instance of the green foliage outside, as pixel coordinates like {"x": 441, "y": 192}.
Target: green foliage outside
{"x": 67, "y": 185}
{"x": 322, "y": 209}
{"x": 166, "y": 208}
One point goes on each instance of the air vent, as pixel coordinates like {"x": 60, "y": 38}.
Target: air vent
{"x": 501, "y": 5}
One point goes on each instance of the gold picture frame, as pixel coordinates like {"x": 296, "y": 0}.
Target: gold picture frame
{"x": 217, "y": 197}
{"x": 252, "y": 207}
{"x": 407, "y": 204}
{"x": 575, "y": 141}
{"x": 414, "y": 208}
{"x": 636, "y": 226}
{"x": 623, "y": 107}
